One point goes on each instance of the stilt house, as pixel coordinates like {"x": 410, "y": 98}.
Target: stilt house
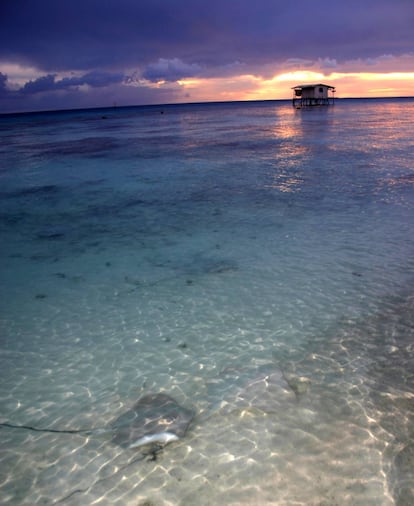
{"x": 313, "y": 94}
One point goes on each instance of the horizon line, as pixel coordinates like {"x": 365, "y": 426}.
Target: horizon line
{"x": 171, "y": 104}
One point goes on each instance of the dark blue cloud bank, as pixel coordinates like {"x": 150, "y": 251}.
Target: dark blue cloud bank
{"x": 94, "y": 52}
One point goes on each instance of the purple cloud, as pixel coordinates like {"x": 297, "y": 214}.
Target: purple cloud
{"x": 3, "y": 84}
{"x": 94, "y": 79}
{"x": 49, "y": 82}
{"x": 44, "y": 83}
{"x": 170, "y": 70}
{"x": 91, "y": 34}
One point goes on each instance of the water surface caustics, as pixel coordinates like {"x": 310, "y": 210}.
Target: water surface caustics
{"x": 250, "y": 260}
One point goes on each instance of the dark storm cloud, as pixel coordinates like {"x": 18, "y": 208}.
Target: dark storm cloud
{"x": 170, "y": 70}
{"x": 3, "y": 82}
{"x": 50, "y": 83}
{"x": 47, "y": 91}
{"x": 91, "y": 34}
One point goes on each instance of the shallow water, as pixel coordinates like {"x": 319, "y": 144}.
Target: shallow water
{"x": 251, "y": 260}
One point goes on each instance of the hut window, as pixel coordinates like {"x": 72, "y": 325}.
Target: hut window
{"x": 320, "y": 90}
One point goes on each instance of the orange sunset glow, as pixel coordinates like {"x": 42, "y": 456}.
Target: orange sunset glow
{"x": 249, "y": 87}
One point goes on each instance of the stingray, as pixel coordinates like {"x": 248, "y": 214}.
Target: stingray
{"x": 155, "y": 419}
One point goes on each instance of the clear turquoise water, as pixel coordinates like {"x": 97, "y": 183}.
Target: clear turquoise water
{"x": 253, "y": 261}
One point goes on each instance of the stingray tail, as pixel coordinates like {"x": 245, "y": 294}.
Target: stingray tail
{"x": 86, "y": 432}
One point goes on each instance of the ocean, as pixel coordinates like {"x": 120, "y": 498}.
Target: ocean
{"x": 253, "y": 261}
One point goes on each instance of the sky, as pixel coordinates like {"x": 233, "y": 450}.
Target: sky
{"x": 64, "y": 54}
